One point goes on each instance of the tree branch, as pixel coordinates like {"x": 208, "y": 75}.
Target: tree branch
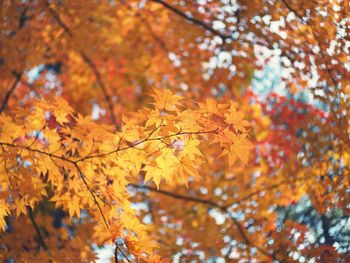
{"x": 325, "y": 228}
{"x": 210, "y": 203}
{"x": 179, "y": 196}
{"x": 87, "y": 61}
{"x": 98, "y": 77}
{"x": 292, "y": 10}
{"x": 10, "y": 91}
{"x": 67, "y": 160}
{"x": 23, "y": 17}
{"x": 148, "y": 138}
{"x": 193, "y": 20}
{"x": 117, "y": 248}
{"x": 92, "y": 193}
{"x": 58, "y": 20}
{"x": 37, "y": 151}
{"x": 249, "y": 242}
{"x": 37, "y": 229}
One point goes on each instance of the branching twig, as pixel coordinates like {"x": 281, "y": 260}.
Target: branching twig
{"x": 148, "y": 138}
{"x": 67, "y": 160}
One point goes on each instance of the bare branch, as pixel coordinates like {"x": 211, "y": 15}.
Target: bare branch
{"x": 10, "y": 91}
{"x": 193, "y": 20}
{"x": 179, "y": 196}
{"x": 243, "y": 234}
{"x": 103, "y": 87}
{"x": 87, "y": 61}
{"x": 37, "y": 229}
{"x": 117, "y": 248}
{"x": 292, "y": 9}
{"x": 224, "y": 209}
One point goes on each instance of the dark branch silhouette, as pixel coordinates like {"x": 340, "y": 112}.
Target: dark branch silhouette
{"x": 179, "y": 196}
{"x": 193, "y": 20}
{"x": 37, "y": 229}
{"x": 224, "y": 209}
{"x": 10, "y": 91}
{"x": 88, "y": 61}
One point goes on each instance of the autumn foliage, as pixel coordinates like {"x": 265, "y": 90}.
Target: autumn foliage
{"x": 153, "y": 129}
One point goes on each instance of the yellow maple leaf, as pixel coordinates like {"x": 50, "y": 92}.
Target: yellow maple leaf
{"x": 191, "y": 148}
{"x": 165, "y": 99}
{"x": 235, "y": 118}
{"x": 241, "y": 148}
{"x": 4, "y": 211}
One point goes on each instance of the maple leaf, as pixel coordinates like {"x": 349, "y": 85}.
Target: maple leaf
{"x": 4, "y": 211}
{"x": 20, "y": 207}
{"x": 165, "y": 99}
{"x": 238, "y": 146}
{"x": 162, "y": 167}
{"x": 191, "y": 148}
{"x": 235, "y": 118}
{"x": 241, "y": 147}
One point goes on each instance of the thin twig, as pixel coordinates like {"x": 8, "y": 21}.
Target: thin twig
{"x": 148, "y": 139}
{"x": 63, "y": 159}
{"x": 117, "y": 248}
{"x": 92, "y": 193}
